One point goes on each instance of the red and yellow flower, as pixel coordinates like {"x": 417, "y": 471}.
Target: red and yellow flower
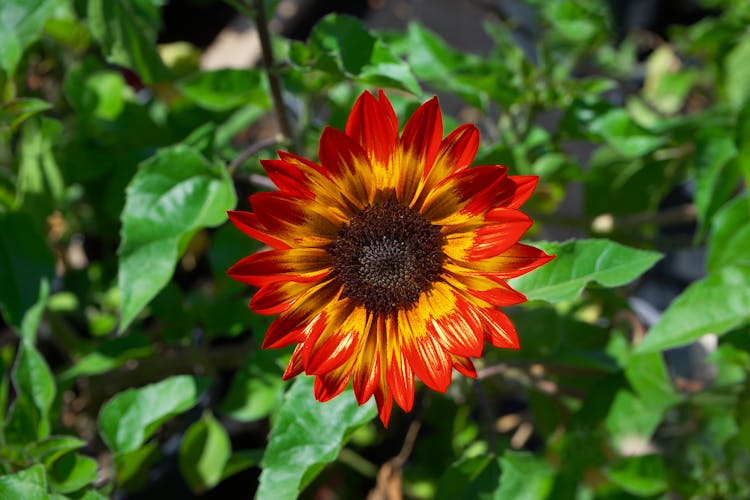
{"x": 389, "y": 256}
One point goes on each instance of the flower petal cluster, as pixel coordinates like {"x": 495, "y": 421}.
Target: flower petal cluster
{"x": 389, "y": 257}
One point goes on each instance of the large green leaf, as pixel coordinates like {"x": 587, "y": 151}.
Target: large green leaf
{"x": 32, "y": 378}
{"x": 227, "y": 89}
{"x": 15, "y": 112}
{"x": 474, "y": 477}
{"x": 730, "y": 236}
{"x": 737, "y": 80}
{"x": 524, "y": 477}
{"x": 579, "y": 262}
{"x": 716, "y": 172}
{"x": 22, "y": 22}
{"x": 174, "y": 193}
{"x": 72, "y": 472}
{"x": 715, "y": 304}
{"x": 40, "y": 182}
{"x": 256, "y": 388}
{"x": 126, "y": 31}
{"x": 306, "y": 434}
{"x": 25, "y": 262}
{"x": 132, "y": 416}
{"x": 341, "y": 46}
{"x": 644, "y": 475}
{"x": 28, "y": 484}
{"x": 625, "y": 135}
{"x": 204, "y": 452}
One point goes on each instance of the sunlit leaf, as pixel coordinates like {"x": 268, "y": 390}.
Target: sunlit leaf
{"x": 28, "y": 484}
{"x": 226, "y": 89}
{"x": 305, "y": 436}
{"x": 204, "y": 452}
{"x": 580, "y": 262}
{"x": 22, "y": 22}
{"x": 174, "y": 193}
{"x": 730, "y": 236}
{"x": 524, "y": 477}
{"x": 126, "y": 31}
{"x": 715, "y": 304}
{"x": 132, "y": 416}
{"x": 644, "y": 475}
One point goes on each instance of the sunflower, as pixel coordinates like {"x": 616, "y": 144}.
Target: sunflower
{"x": 389, "y": 256}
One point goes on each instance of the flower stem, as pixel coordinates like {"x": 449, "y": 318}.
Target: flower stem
{"x": 274, "y": 82}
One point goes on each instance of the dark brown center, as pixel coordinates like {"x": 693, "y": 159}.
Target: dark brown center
{"x": 386, "y": 256}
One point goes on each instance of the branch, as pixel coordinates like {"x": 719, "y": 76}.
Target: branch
{"x": 268, "y": 62}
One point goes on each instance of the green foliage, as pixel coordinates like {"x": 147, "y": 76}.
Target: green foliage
{"x": 579, "y": 262}
{"x": 127, "y": 353}
{"x": 303, "y": 440}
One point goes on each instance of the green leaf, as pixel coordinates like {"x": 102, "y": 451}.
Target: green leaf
{"x": 716, "y": 173}
{"x": 306, "y": 435}
{"x": 72, "y": 472}
{"x": 715, "y": 304}
{"x": 730, "y": 236}
{"x": 204, "y": 452}
{"x": 624, "y": 135}
{"x": 25, "y": 261}
{"x": 52, "y": 448}
{"x": 631, "y": 422}
{"x": 173, "y": 194}
{"x": 649, "y": 379}
{"x": 127, "y": 420}
{"x": 579, "y": 262}
{"x": 132, "y": 468}
{"x": 644, "y": 475}
{"x": 342, "y": 44}
{"x": 15, "y": 112}
{"x": 28, "y": 484}
{"x": 33, "y": 316}
{"x": 474, "y": 477}
{"x": 241, "y": 460}
{"x": 227, "y": 89}
{"x": 33, "y": 379}
{"x": 22, "y": 22}
{"x": 737, "y": 79}
{"x": 40, "y": 182}
{"x": 126, "y": 31}
{"x": 256, "y": 389}
{"x": 524, "y": 477}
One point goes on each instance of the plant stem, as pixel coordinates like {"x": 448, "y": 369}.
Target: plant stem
{"x": 268, "y": 62}
{"x": 252, "y": 149}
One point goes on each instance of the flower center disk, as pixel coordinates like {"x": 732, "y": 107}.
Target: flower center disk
{"x": 386, "y": 256}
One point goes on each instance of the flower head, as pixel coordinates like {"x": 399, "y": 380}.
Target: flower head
{"x": 389, "y": 256}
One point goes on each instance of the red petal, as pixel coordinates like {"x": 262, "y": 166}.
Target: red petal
{"x": 295, "y": 364}
{"x": 276, "y": 297}
{"x": 296, "y": 222}
{"x": 423, "y": 134}
{"x": 288, "y": 178}
{"x": 456, "y": 152}
{"x": 248, "y": 223}
{"x": 296, "y": 324}
{"x": 517, "y": 260}
{"x": 331, "y": 346}
{"x": 366, "y": 371}
{"x": 331, "y": 384}
{"x": 430, "y": 363}
{"x": 499, "y": 330}
{"x": 385, "y": 404}
{"x": 516, "y": 191}
{"x": 401, "y": 381}
{"x": 464, "y": 366}
{"x": 347, "y": 164}
{"x": 295, "y": 264}
{"x": 459, "y": 333}
{"x": 373, "y": 124}
{"x": 463, "y": 195}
